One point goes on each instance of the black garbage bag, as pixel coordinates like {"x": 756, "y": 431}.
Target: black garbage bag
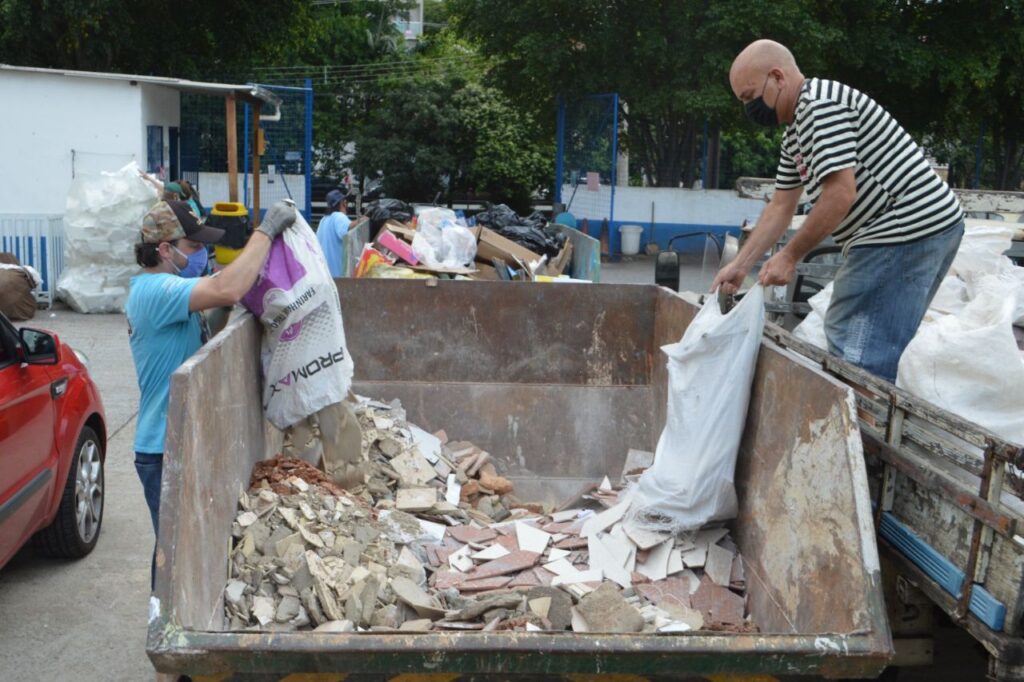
{"x": 383, "y": 210}
{"x": 538, "y": 240}
{"x": 497, "y": 217}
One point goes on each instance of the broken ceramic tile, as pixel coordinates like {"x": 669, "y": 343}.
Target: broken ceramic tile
{"x": 605, "y": 519}
{"x": 642, "y": 538}
{"x": 428, "y": 444}
{"x": 411, "y": 594}
{"x": 414, "y": 468}
{"x": 604, "y": 560}
{"x": 530, "y": 538}
{"x": 718, "y": 565}
{"x": 554, "y": 554}
{"x": 657, "y": 564}
{"x": 495, "y": 551}
{"x": 675, "y": 562}
{"x": 415, "y": 499}
{"x": 461, "y": 560}
{"x": 453, "y": 490}
{"x": 513, "y": 563}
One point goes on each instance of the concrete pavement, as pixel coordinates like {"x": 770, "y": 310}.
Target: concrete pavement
{"x": 86, "y": 619}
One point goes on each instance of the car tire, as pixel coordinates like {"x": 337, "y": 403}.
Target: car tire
{"x": 75, "y": 530}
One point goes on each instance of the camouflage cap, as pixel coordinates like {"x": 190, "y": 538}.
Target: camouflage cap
{"x": 172, "y": 220}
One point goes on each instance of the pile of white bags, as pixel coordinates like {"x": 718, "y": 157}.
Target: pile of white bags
{"x": 964, "y": 357}
{"x": 101, "y": 225}
{"x": 710, "y": 371}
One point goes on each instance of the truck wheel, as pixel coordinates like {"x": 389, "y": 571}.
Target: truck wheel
{"x": 75, "y": 530}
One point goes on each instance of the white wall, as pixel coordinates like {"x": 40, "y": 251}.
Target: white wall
{"x": 671, "y": 205}
{"x": 43, "y": 117}
{"x": 213, "y": 187}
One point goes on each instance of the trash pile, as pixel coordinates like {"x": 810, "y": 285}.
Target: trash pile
{"x": 438, "y": 243}
{"x": 437, "y": 540}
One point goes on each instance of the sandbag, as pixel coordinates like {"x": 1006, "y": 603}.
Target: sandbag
{"x": 16, "y": 284}
{"x": 306, "y": 365}
{"x": 710, "y": 371}
{"x": 969, "y": 363}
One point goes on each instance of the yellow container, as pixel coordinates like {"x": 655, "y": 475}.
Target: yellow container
{"x": 233, "y": 218}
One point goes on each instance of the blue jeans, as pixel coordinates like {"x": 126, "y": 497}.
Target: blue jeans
{"x": 150, "y": 470}
{"x": 880, "y": 296}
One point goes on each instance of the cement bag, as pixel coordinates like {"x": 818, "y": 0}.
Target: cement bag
{"x": 440, "y": 242}
{"x": 709, "y": 374}
{"x": 101, "y": 225}
{"x": 969, "y": 364}
{"x": 306, "y": 365}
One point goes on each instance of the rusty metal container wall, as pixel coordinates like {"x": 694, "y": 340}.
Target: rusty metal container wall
{"x": 557, "y": 381}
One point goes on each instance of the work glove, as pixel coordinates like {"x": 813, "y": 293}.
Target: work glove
{"x": 278, "y": 218}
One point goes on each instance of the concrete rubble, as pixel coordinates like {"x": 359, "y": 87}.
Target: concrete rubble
{"x": 436, "y": 540}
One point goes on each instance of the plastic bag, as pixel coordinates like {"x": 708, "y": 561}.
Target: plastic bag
{"x": 306, "y": 365}
{"x": 968, "y": 363}
{"x": 535, "y": 239}
{"x": 709, "y": 375}
{"x": 440, "y": 242}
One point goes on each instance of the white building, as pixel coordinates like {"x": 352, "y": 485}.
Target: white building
{"x": 58, "y": 125}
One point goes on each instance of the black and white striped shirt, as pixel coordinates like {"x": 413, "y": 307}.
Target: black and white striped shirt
{"x": 899, "y": 196}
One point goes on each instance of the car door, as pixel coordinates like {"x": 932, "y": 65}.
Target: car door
{"x": 27, "y": 453}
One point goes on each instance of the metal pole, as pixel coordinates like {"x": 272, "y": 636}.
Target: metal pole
{"x": 615, "y": 157}
{"x": 245, "y": 154}
{"x": 559, "y": 149}
{"x": 255, "y": 163}
{"x": 308, "y": 151}
{"x": 230, "y": 121}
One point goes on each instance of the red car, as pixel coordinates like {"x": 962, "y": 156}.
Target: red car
{"x": 53, "y": 440}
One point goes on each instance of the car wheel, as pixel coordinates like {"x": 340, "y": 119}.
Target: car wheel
{"x": 76, "y": 529}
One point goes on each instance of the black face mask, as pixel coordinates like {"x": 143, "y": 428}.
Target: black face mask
{"x": 758, "y": 110}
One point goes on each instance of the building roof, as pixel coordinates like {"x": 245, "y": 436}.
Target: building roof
{"x": 248, "y": 92}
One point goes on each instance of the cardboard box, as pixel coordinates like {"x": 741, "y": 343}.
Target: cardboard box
{"x": 490, "y": 245}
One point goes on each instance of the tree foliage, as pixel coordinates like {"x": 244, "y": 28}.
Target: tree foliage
{"x": 444, "y": 132}
{"x": 945, "y": 69}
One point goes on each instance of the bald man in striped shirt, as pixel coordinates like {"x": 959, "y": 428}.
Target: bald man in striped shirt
{"x": 872, "y": 189}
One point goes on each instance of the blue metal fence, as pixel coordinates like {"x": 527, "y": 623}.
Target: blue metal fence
{"x": 586, "y": 155}
{"x": 287, "y": 162}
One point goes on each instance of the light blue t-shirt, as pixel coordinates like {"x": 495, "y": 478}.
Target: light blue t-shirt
{"x": 332, "y": 228}
{"x": 162, "y": 334}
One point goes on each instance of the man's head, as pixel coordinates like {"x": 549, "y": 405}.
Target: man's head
{"x": 336, "y": 201}
{"x": 765, "y": 77}
{"x": 170, "y": 234}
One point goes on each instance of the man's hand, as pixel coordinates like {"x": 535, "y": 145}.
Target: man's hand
{"x": 278, "y": 218}
{"x": 778, "y": 270}
{"x": 730, "y": 278}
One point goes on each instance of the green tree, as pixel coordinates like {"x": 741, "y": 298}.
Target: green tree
{"x": 668, "y": 61}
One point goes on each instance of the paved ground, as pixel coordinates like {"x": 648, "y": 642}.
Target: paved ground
{"x": 86, "y": 620}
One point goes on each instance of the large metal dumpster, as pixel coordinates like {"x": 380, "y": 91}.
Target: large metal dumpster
{"x": 558, "y": 382}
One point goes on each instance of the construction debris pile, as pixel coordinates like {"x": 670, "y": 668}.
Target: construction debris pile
{"x": 436, "y": 540}
{"x": 501, "y": 246}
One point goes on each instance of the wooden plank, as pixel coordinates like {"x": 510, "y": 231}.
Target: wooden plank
{"x": 919, "y": 470}
{"x": 230, "y": 121}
